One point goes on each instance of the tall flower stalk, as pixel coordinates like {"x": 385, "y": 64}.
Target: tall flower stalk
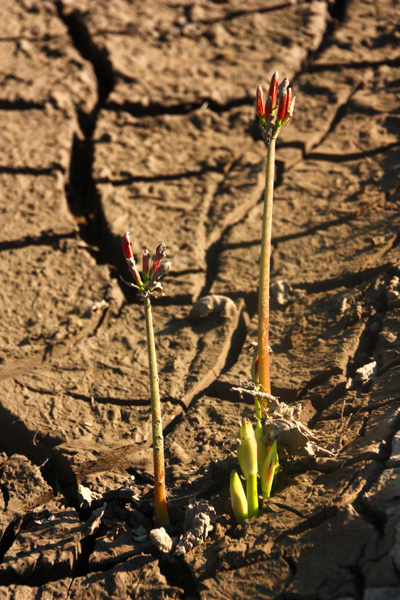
{"x": 149, "y": 284}
{"x": 275, "y": 115}
{"x": 253, "y": 455}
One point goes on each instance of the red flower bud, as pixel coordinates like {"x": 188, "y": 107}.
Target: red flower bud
{"x": 133, "y": 270}
{"x": 162, "y": 269}
{"x": 282, "y": 107}
{"x": 260, "y": 104}
{"x": 146, "y": 263}
{"x": 254, "y": 368}
{"x": 273, "y": 89}
{"x": 127, "y": 245}
{"x": 160, "y": 253}
{"x": 268, "y": 108}
{"x": 288, "y": 100}
{"x": 289, "y": 112}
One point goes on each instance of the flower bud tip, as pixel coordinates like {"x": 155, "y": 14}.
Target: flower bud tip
{"x": 162, "y": 269}
{"x": 273, "y": 89}
{"x": 260, "y": 103}
{"x": 146, "y": 264}
{"x": 159, "y": 254}
{"x": 127, "y": 245}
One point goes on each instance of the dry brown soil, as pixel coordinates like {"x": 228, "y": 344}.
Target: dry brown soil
{"x": 123, "y": 114}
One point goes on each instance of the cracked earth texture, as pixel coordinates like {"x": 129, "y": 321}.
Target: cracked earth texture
{"x": 125, "y": 115}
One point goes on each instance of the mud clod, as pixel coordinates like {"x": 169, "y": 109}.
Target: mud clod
{"x": 199, "y": 519}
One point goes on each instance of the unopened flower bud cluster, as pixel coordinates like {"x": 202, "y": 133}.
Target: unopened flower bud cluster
{"x": 149, "y": 281}
{"x": 278, "y": 108}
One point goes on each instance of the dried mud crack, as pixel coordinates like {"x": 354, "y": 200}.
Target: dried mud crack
{"x": 157, "y": 109}
{"x": 80, "y": 189}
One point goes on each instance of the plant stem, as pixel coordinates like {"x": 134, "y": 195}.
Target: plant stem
{"x": 156, "y": 421}
{"x": 265, "y": 259}
{"x": 252, "y": 495}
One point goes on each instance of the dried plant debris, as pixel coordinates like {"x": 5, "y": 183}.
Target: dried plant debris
{"x": 295, "y": 438}
{"x": 281, "y": 423}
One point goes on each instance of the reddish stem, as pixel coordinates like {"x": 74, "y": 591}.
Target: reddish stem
{"x": 158, "y": 439}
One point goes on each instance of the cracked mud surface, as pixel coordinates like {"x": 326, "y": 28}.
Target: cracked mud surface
{"x": 140, "y": 116}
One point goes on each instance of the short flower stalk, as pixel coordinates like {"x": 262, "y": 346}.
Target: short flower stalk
{"x": 247, "y": 455}
{"x": 269, "y": 469}
{"x": 238, "y": 498}
{"x": 255, "y": 460}
{"x": 149, "y": 284}
{"x": 254, "y": 456}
